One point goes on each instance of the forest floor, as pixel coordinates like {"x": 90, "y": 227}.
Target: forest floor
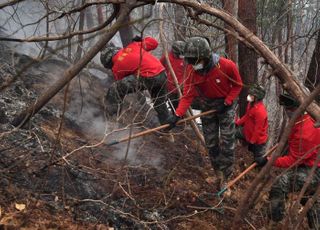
{"x": 70, "y": 178}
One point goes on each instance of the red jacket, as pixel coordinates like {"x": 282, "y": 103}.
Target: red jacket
{"x": 222, "y": 81}
{"x": 178, "y": 69}
{"x": 304, "y": 139}
{"x": 255, "y": 123}
{"x": 135, "y": 59}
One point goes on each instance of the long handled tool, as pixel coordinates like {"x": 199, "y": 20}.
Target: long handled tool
{"x": 231, "y": 183}
{"x": 159, "y": 128}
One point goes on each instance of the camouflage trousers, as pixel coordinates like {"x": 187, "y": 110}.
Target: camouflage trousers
{"x": 155, "y": 85}
{"x": 293, "y": 181}
{"x": 219, "y": 134}
{"x": 258, "y": 150}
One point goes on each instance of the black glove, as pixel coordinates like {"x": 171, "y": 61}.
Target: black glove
{"x": 221, "y": 108}
{"x": 261, "y": 161}
{"x": 137, "y": 39}
{"x": 172, "y": 120}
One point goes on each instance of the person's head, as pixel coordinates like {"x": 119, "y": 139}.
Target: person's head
{"x": 178, "y": 48}
{"x": 256, "y": 93}
{"x": 289, "y": 103}
{"x": 197, "y": 52}
{"x": 107, "y": 54}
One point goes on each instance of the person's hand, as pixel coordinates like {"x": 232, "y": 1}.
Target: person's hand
{"x": 261, "y": 161}
{"x": 172, "y": 120}
{"x": 237, "y": 122}
{"x": 222, "y": 108}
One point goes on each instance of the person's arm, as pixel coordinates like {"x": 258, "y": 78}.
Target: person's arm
{"x": 189, "y": 92}
{"x": 285, "y": 161}
{"x": 235, "y": 81}
{"x": 241, "y": 121}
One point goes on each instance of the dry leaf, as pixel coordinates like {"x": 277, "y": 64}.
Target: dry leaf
{"x": 0, "y": 211}
{"x": 20, "y": 207}
{"x": 210, "y": 180}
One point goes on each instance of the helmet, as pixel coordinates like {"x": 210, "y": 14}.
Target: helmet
{"x": 178, "y": 47}
{"x": 197, "y": 48}
{"x": 288, "y": 101}
{"x": 107, "y": 54}
{"x": 257, "y": 91}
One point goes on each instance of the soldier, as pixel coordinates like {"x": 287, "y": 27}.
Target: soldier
{"x": 176, "y": 60}
{"x": 148, "y": 72}
{"x": 304, "y": 143}
{"x": 254, "y": 124}
{"x": 217, "y": 83}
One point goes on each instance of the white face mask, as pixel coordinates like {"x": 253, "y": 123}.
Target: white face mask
{"x": 181, "y": 56}
{"x": 198, "y": 66}
{"x": 250, "y": 98}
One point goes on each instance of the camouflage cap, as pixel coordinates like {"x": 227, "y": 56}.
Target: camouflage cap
{"x": 107, "y": 54}
{"x": 178, "y": 47}
{"x": 257, "y": 91}
{"x": 288, "y": 101}
{"x": 197, "y": 47}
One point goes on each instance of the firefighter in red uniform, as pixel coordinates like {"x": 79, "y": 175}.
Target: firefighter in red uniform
{"x": 254, "y": 124}
{"x": 148, "y": 72}
{"x": 304, "y": 145}
{"x": 176, "y": 60}
{"x": 217, "y": 83}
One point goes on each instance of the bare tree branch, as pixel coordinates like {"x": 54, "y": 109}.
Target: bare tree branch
{"x": 9, "y": 3}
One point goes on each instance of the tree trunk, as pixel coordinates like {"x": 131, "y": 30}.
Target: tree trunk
{"x": 126, "y": 33}
{"x": 230, "y": 6}
{"x": 248, "y": 61}
{"x": 288, "y": 53}
{"x": 181, "y": 30}
{"x": 313, "y": 76}
{"x": 100, "y": 14}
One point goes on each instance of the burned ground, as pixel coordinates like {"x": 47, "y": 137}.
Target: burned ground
{"x": 72, "y": 178}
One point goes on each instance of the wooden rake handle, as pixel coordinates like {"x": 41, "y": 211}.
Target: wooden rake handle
{"x": 231, "y": 183}
{"x": 160, "y": 127}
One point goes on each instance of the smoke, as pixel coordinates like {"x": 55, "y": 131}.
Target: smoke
{"x": 83, "y": 108}
{"x": 137, "y": 151}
